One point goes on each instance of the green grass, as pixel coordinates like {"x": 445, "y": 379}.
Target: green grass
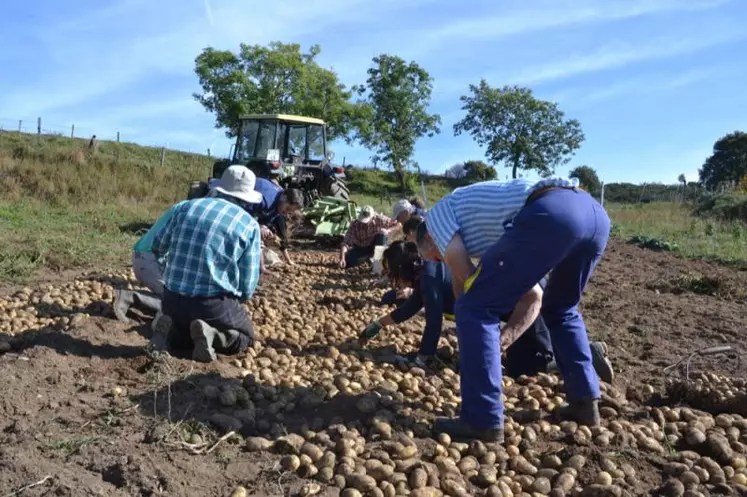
{"x": 67, "y": 207}
{"x": 724, "y": 241}
{"x": 38, "y": 237}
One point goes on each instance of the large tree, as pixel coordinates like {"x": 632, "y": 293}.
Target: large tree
{"x": 588, "y": 178}
{"x": 397, "y": 94}
{"x": 518, "y": 129}
{"x": 477, "y": 170}
{"x": 277, "y": 78}
{"x": 728, "y": 163}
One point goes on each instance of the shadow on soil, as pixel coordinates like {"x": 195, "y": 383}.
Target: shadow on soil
{"x": 205, "y": 412}
{"x": 66, "y": 344}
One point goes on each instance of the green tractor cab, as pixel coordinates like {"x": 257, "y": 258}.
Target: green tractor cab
{"x": 291, "y": 150}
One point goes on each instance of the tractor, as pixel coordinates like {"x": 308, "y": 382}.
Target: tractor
{"x": 293, "y": 151}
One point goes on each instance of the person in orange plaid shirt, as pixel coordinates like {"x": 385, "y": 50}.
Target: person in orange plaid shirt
{"x": 364, "y": 235}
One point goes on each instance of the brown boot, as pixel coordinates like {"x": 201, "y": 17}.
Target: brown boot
{"x": 584, "y": 412}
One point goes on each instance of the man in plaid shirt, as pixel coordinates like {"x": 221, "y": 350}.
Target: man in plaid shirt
{"x": 212, "y": 250}
{"x": 364, "y": 235}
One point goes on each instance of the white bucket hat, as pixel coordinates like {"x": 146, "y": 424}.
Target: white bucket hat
{"x": 401, "y": 206}
{"x": 238, "y": 182}
{"x": 366, "y": 214}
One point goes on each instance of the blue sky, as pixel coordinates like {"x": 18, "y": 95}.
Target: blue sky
{"x": 653, "y": 82}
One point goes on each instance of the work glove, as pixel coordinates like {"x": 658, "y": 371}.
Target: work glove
{"x": 370, "y": 332}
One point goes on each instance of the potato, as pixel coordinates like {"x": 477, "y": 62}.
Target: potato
{"x": 454, "y": 489}
{"x": 604, "y": 478}
{"x": 239, "y": 492}
{"x": 418, "y": 478}
{"x": 290, "y": 462}
{"x": 487, "y": 476}
{"x": 313, "y": 451}
{"x": 350, "y": 492}
{"x": 426, "y": 492}
{"x": 672, "y": 488}
{"x": 361, "y": 482}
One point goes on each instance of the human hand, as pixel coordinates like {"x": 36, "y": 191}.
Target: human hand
{"x": 370, "y": 332}
{"x": 404, "y": 293}
{"x": 342, "y": 263}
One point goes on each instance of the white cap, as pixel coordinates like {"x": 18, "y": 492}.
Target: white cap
{"x": 366, "y": 214}
{"x": 238, "y": 181}
{"x": 401, "y": 206}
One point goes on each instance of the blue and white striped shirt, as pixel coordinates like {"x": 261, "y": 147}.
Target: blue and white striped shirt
{"x": 212, "y": 248}
{"x": 481, "y": 212}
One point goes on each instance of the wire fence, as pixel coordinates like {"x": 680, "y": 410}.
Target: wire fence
{"x": 41, "y": 128}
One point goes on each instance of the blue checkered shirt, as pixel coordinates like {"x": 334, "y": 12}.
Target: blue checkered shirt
{"x": 212, "y": 248}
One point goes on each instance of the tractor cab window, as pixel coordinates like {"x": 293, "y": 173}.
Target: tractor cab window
{"x": 257, "y": 137}
{"x": 316, "y": 143}
{"x": 297, "y": 141}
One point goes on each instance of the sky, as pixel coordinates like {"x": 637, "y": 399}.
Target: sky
{"x": 654, "y": 83}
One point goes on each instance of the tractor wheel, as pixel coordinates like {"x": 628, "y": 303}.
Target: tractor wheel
{"x": 338, "y": 189}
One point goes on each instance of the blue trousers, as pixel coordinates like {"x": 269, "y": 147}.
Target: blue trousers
{"x": 356, "y": 256}
{"x": 564, "y": 231}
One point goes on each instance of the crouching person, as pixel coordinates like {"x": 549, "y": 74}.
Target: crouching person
{"x": 368, "y": 231}
{"x": 148, "y": 271}
{"x": 213, "y": 255}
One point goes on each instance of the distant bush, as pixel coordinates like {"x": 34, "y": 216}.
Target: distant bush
{"x": 726, "y": 207}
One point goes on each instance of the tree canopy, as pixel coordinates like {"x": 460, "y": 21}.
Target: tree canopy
{"x": 477, "y": 170}
{"x": 397, "y": 94}
{"x": 728, "y": 163}
{"x": 471, "y": 171}
{"x": 518, "y": 129}
{"x": 277, "y": 78}
{"x": 588, "y": 178}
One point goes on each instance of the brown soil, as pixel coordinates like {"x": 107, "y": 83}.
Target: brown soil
{"x": 60, "y": 416}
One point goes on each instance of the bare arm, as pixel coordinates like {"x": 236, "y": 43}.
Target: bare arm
{"x": 522, "y": 317}
{"x": 459, "y": 263}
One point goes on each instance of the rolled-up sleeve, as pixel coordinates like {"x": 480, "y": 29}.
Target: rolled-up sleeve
{"x": 250, "y": 263}
{"x": 442, "y": 223}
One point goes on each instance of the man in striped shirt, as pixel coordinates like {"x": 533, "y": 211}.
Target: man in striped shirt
{"x": 212, "y": 249}
{"x": 520, "y": 230}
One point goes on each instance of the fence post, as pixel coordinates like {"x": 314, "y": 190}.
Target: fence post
{"x": 117, "y": 136}
{"x": 38, "y": 125}
{"x": 601, "y": 195}
{"x": 72, "y": 132}
{"x": 208, "y": 152}
{"x": 20, "y": 122}
{"x": 425, "y": 195}
{"x": 163, "y": 155}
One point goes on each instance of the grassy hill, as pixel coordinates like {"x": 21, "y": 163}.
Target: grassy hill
{"x": 65, "y": 206}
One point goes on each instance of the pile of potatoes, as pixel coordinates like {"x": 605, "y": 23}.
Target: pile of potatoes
{"x": 353, "y": 417}
{"x": 57, "y": 306}
{"x": 711, "y": 392}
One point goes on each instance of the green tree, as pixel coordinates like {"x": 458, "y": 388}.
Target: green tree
{"x": 397, "y": 94}
{"x": 588, "y": 178}
{"x": 728, "y": 163}
{"x": 519, "y": 129}
{"x": 277, "y": 78}
{"x": 477, "y": 170}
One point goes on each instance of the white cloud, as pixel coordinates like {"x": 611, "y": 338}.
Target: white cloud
{"x": 555, "y": 14}
{"x": 167, "y": 43}
{"x": 612, "y": 56}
